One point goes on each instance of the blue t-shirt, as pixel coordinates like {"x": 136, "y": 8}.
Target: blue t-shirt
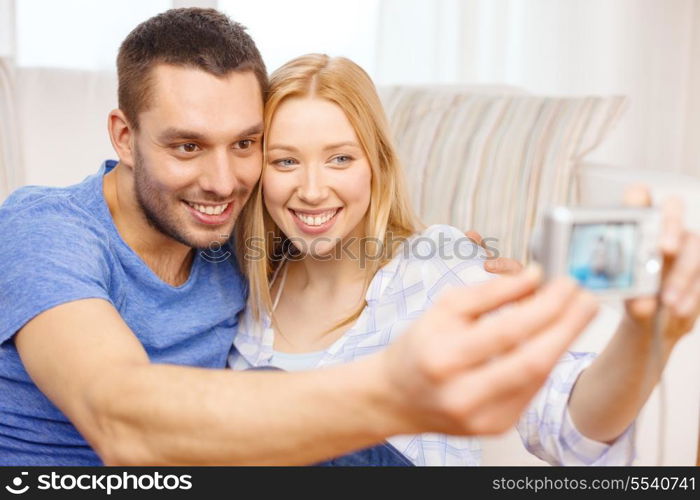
{"x": 59, "y": 245}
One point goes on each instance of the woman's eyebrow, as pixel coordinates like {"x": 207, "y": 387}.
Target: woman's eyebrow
{"x": 283, "y": 147}
{"x": 336, "y": 145}
{"x": 341, "y": 145}
{"x": 254, "y": 130}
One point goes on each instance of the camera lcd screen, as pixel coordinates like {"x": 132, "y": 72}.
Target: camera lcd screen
{"x": 601, "y": 256}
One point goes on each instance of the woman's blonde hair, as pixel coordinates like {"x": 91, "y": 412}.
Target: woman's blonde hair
{"x": 389, "y": 219}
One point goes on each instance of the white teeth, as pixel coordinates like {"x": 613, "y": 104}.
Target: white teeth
{"x": 316, "y": 220}
{"x": 209, "y": 210}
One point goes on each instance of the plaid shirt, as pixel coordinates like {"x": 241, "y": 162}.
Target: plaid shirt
{"x": 399, "y": 293}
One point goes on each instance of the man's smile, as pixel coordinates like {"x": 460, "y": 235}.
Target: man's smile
{"x": 209, "y": 214}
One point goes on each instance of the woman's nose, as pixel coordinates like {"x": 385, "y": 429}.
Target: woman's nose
{"x": 312, "y": 188}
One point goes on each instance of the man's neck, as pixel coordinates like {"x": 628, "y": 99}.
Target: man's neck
{"x": 170, "y": 260}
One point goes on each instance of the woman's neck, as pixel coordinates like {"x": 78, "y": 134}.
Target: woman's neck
{"x": 326, "y": 275}
{"x": 317, "y": 294}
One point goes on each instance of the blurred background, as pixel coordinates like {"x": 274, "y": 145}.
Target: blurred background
{"x": 648, "y": 50}
{"x": 500, "y": 108}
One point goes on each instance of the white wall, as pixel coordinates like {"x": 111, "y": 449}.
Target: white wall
{"x": 7, "y": 32}
{"x": 648, "y": 50}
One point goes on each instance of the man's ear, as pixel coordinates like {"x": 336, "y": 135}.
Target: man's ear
{"x": 121, "y": 134}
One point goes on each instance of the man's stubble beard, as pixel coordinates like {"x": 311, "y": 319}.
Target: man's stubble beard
{"x": 156, "y": 210}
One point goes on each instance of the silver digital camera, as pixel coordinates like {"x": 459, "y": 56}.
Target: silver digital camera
{"x": 613, "y": 252}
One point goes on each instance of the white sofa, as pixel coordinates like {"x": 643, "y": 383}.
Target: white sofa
{"x": 63, "y": 138}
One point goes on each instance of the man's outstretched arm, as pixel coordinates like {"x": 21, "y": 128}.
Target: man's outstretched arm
{"x": 454, "y": 372}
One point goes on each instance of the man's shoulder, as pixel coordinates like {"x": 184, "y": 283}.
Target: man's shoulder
{"x": 33, "y": 199}
{"x": 45, "y": 226}
{"x": 58, "y": 209}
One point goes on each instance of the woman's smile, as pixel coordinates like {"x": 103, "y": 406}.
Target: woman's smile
{"x": 315, "y": 221}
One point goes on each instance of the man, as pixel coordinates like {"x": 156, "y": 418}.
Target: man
{"x": 118, "y": 315}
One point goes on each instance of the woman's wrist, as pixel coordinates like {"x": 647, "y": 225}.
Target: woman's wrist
{"x": 641, "y": 336}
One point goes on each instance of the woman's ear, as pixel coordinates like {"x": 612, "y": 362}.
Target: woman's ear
{"x": 122, "y": 136}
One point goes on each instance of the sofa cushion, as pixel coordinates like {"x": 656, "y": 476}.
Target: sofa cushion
{"x": 493, "y": 161}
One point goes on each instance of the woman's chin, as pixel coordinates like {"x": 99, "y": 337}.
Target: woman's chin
{"x": 321, "y": 256}
{"x": 319, "y": 248}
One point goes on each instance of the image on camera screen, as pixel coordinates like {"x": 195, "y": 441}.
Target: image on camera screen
{"x": 601, "y": 256}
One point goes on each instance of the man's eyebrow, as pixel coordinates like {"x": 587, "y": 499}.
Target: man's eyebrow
{"x": 254, "y": 130}
{"x": 174, "y": 133}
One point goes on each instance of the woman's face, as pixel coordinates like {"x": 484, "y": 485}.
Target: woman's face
{"x": 316, "y": 185}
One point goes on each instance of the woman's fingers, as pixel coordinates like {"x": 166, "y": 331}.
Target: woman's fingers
{"x": 683, "y": 272}
{"x": 681, "y": 288}
{"x": 671, "y": 226}
{"x": 637, "y": 195}
{"x": 690, "y": 302}
{"x": 642, "y": 309}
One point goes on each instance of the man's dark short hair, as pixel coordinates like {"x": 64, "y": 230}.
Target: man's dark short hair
{"x": 197, "y": 38}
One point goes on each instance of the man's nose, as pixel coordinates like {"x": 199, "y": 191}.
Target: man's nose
{"x": 218, "y": 176}
{"x": 312, "y": 188}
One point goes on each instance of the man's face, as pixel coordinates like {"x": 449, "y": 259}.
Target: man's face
{"x": 198, "y": 152}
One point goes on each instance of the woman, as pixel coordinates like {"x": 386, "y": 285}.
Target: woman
{"x": 346, "y": 267}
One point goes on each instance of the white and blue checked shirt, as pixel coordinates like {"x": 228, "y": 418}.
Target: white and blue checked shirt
{"x": 398, "y": 294}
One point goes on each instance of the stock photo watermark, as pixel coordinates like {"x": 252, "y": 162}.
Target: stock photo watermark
{"x": 99, "y": 482}
{"x": 364, "y": 250}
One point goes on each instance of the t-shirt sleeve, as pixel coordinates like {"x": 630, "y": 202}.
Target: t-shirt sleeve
{"x": 51, "y": 252}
